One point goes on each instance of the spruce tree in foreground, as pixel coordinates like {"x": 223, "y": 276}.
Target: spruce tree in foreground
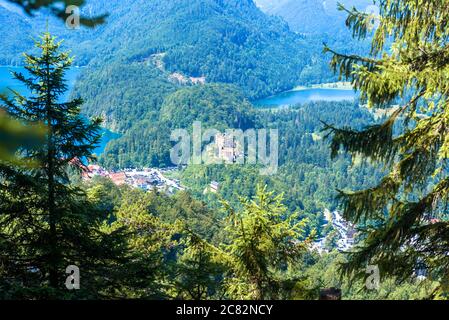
{"x": 405, "y": 217}
{"x": 45, "y": 223}
{"x": 265, "y": 244}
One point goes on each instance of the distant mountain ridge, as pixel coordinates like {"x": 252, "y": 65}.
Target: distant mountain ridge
{"x": 13, "y": 44}
{"x": 311, "y": 16}
{"x": 228, "y": 41}
{"x": 18, "y": 31}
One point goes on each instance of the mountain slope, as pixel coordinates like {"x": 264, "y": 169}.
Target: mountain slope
{"x": 312, "y": 16}
{"x": 18, "y": 31}
{"x": 225, "y": 41}
{"x": 149, "y": 49}
{"x": 13, "y": 42}
{"x": 155, "y": 48}
{"x": 219, "y": 41}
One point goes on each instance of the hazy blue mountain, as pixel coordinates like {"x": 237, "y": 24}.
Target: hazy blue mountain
{"x": 311, "y": 16}
{"x": 14, "y": 29}
{"x": 18, "y": 31}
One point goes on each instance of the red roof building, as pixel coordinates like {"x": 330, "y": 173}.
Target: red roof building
{"x": 118, "y": 178}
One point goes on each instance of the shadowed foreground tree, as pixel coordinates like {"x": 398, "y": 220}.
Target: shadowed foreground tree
{"x": 199, "y": 271}
{"x": 151, "y": 245}
{"x": 45, "y": 223}
{"x": 404, "y": 217}
{"x": 264, "y": 244}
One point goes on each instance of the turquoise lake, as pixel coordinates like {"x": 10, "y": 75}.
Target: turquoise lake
{"x": 8, "y": 82}
{"x": 290, "y": 98}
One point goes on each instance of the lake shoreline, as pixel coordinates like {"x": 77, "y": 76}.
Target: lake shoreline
{"x": 302, "y": 94}
{"x": 327, "y": 85}
{"x": 7, "y": 82}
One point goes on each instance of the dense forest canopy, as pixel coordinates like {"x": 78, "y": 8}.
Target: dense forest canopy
{"x": 154, "y": 66}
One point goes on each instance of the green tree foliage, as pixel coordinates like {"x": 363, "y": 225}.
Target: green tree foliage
{"x": 306, "y": 171}
{"x": 46, "y": 224}
{"x": 257, "y": 255}
{"x": 219, "y": 106}
{"x": 170, "y": 260}
{"x": 149, "y": 242}
{"x": 405, "y": 215}
{"x": 169, "y": 241}
{"x": 199, "y": 270}
{"x": 263, "y": 242}
{"x": 324, "y": 271}
{"x": 15, "y": 136}
{"x": 215, "y": 106}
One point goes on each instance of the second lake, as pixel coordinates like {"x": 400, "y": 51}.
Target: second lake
{"x": 293, "y": 97}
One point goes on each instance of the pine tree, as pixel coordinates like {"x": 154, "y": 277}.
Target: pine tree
{"x": 47, "y": 224}
{"x": 150, "y": 251}
{"x": 199, "y": 270}
{"x": 404, "y": 218}
{"x": 264, "y": 244}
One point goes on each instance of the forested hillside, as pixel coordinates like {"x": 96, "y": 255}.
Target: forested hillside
{"x": 81, "y": 42}
{"x": 306, "y": 170}
{"x": 147, "y": 143}
{"x": 227, "y": 42}
{"x": 321, "y": 21}
{"x": 14, "y": 43}
{"x": 140, "y": 80}
{"x": 134, "y": 64}
{"x": 181, "y": 43}
{"x": 215, "y": 39}
{"x": 313, "y": 16}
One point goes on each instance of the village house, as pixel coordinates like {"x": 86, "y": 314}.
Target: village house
{"x": 213, "y": 187}
{"x": 118, "y": 178}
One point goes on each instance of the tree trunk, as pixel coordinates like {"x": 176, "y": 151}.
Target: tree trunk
{"x": 53, "y": 261}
